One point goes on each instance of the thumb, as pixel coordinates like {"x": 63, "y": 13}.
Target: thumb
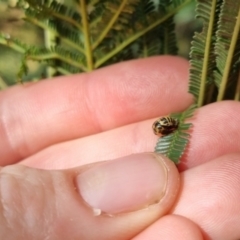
{"x": 108, "y": 200}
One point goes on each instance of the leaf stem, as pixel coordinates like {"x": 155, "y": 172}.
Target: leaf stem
{"x": 49, "y": 41}
{"x": 63, "y": 39}
{"x": 66, "y": 19}
{"x": 229, "y": 59}
{"x": 86, "y": 34}
{"x": 63, "y": 71}
{"x": 207, "y": 52}
{"x": 110, "y": 24}
{"x": 17, "y": 47}
{"x": 137, "y": 35}
{"x": 10, "y": 43}
{"x": 59, "y": 57}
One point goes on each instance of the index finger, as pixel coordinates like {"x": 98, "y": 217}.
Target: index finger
{"x": 41, "y": 114}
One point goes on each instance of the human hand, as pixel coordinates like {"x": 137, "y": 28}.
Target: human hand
{"x": 72, "y": 121}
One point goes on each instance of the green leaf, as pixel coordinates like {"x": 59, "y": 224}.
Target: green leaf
{"x": 169, "y": 37}
{"x": 95, "y": 33}
{"x": 15, "y": 44}
{"x": 52, "y": 9}
{"x": 68, "y": 37}
{"x": 202, "y": 63}
{"x": 23, "y": 69}
{"x": 227, "y": 48}
{"x": 134, "y": 26}
{"x": 174, "y": 145}
{"x": 160, "y": 41}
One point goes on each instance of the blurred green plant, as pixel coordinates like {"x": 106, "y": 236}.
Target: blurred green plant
{"x": 96, "y": 33}
{"x": 215, "y": 53}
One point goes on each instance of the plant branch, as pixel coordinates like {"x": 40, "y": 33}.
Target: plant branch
{"x": 110, "y": 24}
{"x": 8, "y": 42}
{"x": 138, "y": 35}
{"x": 207, "y": 52}
{"x": 63, "y": 39}
{"x": 228, "y": 64}
{"x": 86, "y": 34}
{"x": 56, "y": 56}
{"x": 63, "y": 71}
{"x": 67, "y": 19}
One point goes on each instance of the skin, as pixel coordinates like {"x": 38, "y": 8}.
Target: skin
{"x": 72, "y": 121}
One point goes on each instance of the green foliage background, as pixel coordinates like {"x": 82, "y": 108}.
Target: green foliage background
{"x": 11, "y": 22}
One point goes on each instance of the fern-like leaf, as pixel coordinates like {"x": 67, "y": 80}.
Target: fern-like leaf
{"x": 68, "y": 37}
{"x": 160, "y": 41}
{"x": 169, "y": 37}
{"x": 227, "y": 47}
{"x": 65, "y": 55}
{"x": 52, "y": 9}
{"x": 137, "y": 25}
{"x": 202, "y": 63}
{"x": 174, "y": 145}
{"x": 15, "y": 44}
{"x": 98, "y": 33}
{"x": 23, "y": 69}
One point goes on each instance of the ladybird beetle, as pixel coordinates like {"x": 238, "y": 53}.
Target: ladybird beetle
{"x": 164, "y": 126}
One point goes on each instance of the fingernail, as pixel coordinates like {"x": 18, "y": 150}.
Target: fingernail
{"x": 125, "y": 184}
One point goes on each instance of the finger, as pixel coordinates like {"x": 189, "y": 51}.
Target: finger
{"x": 210, "y": 197}
{"x": 171, "y": 227}
{"x": 100, "y": 201}
{"x": 214, "y": 133}
{"x": 36, "y": 116}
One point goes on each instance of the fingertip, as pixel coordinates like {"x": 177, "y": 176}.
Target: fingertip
{"x": 130, "y": 183}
